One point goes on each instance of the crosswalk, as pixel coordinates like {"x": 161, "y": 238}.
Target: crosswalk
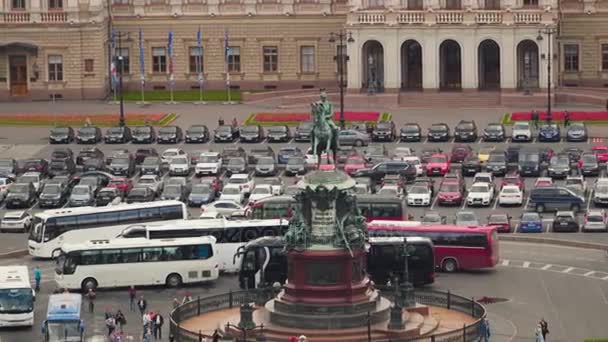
{"x": 576, "y": 271}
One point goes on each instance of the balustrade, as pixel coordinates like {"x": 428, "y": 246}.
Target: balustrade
{"x": 488, "y": 17}
{"x": 411, "y": 17}
{"x": 451, "y": 17}
{"x": 371, "y": 18}
{"x": 16, "y": 17}
{"x": 53, "y": 17}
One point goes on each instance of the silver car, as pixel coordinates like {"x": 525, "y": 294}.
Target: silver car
{"x": 466, "y": 218}
{"x": 82, "y": 195}
{"x": 595, "y": 221}
{"x": 351, "y": 137}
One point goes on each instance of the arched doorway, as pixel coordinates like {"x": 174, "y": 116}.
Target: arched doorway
{"x": 373, "y": 66}
{"x": 489, "y": 65}
{"x": 450, "y": 65}
{"x": 411, "y": 65}
{"x": 527, "y": 64}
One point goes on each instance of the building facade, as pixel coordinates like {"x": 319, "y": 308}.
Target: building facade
{"x": 62, "y": 48}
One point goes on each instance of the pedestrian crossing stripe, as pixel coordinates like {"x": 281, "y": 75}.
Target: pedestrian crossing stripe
{"x": 563, "y": 269}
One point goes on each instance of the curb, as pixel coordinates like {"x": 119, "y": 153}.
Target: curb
{"x": 14, "y": 254}
{"x": 557, "y": 242}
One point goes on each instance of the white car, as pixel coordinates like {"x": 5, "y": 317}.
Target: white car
{"x": 310, "y": 158}
{"x": 415, "y": 161}
{"x": 522, "y": 131}
{"x": 170, "y": 153}
{"x": 390, "y": 190}
{"x": 362, "y": 189}
{"x": 151, "y": 181}
{"x": 480, "y": 194}
{"x": 211, "y": 215}
{"x": 232, "y": 192}
{"x": 260, "y": 191}
{"x": 276, "y": 183}
{"x": 576, "y": 183}
{"x": 16, "y": 221}
{"x": 245, "y": 182}
{"x": 5, "y": 183}
{"x": 510, "y": 195}
{"x": 484, "y": 177}
{"x": 419, "y": 195}
{"x": 226, "y": 208}
{"x": 31, "y": 177}
{"x": 209, "y": 163}
{"x": 179, "y": 166}
{"x": 595, "y": 220}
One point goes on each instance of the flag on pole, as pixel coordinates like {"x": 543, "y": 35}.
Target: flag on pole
{"x": 226, "y": 55}
{"x": 170, "y": 55}
{"x": 199, "y": 66}
{"x": 112, "y": 58}
{"x": 142, "y": 65}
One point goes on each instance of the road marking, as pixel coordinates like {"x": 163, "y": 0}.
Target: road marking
{"x": 588, "y": 274}
{"x": 425, "y": 140}
{"x": 603, "y": 295}
{"x": 464, "y": 204}
{"x": 568, "y": 270}
{"x": 526, "y": 264}
{"x": 546, "y": 267}
{"x": 505, "y": 262}
{"x": 589, "y": 200}
{"x": 605, "y": 278}
{"x": 495, "y": 203}
{"x": 434, "y": 202}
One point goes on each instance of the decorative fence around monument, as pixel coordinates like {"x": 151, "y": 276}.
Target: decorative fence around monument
{"x": 468, "y": 333}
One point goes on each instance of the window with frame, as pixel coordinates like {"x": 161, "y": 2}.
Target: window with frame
{"x": 570, "y": 57}
{"x": 271, "y": 58}
{"x": 414, "y": 5}
{"x": 159, "y": 59}
{"x": 531, "y": 3}
{"x": 55, "y": 68}
{"x": 492, "y": 4}
{"x": 453, "y": 4}
{"x": 196, "y": 59}
{"x": 604, "y": 48}
{"x": 89, "y": 65}
{"x": 234, "y": 59}
{"x": 307, "y": 59}
{"x": 55, "y": 5}
{"x": 18, "y": 5}
{"x": 124, "y": 53}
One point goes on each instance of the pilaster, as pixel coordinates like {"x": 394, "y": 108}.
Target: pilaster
{"x": 508, "y": 60}
{"x": 430, "y": 63}
{"x": 469, "y": 66}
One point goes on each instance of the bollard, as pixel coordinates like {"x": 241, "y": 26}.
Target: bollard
{"x": 449, "y": 299}
{"x": 472, "y": 306}
{"x": 230, "y": 299}
{"x": 200, "y": 336}
{"x": 464, "y": 332}
{"x": 198, "y": 305}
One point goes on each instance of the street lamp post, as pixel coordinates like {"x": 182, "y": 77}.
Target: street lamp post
{"x": 121, "y": 121}
{"x": 549, "y": 31}
{"x": 341, "y": 59}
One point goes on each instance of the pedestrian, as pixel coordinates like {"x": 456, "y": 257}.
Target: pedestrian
{"x": 91, "y": 295}
{"x": 142, "y": 304}
{"x": 538, "y": 334}
{"x": 235, "y": 123}
{"x": 292, "y": 339}
{"x": 158, "y": 326}
{"x": 215, "y": 336}
{"x": 37, "y": 277}
{"x": 110, "y": 324}
{"x": 302, "y": 338}
{"x": 484, "y": 330}
{"x": 120, "y": 319}
{"x": 87, "y": 122}
{"x": 147, "y": 335}
{"x": 544, "y": 326}
{"x": 566, "y": 118}
{"x": 176, "y": 303}
{"x": 132, "y": 295}
{"x": 535, "y": 118}
{"x": 187, "y": 298}
{"x": 108, "y": 313}
{"x": 220, "y": 121}
{"x": 147, "y": 322}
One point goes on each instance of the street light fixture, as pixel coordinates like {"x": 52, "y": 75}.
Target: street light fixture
{"x": 341, "y": 59}
{"x": 549, "y": 31}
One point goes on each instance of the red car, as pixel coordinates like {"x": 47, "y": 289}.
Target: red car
{"x": 450, "y": 192}
{"x": 438, "y": 165}
{"x": 513, "y": 178}
{"x": 460, "y": 152}
{"x": 123, "y": 184}
{"x": 502, "y": 222}
{"x": 543, "y": 181}
{"x": 354, "y": 163}
{"x": 216, "y": 183}
{"x": 601, "y": 152}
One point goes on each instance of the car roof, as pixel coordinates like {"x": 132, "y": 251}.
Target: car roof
{"x": 510, "y": 186}
{"x": 239, "y": 175}
{"x": 14, "y": 214}
{"x": 564, "y": 213}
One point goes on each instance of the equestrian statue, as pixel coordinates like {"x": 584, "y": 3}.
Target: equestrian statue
{"x": 324, "y": 136}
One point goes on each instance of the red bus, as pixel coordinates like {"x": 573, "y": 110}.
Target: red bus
{"x": 456, "y": 247}
{"x": 371, "y": 206}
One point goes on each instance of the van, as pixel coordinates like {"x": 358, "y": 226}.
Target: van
{"x": 529, "y": 163}
{"x": 555, "y": 198}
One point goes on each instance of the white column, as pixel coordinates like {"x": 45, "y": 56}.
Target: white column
{"x": 392, "y": 65}
{"x": 354, "y": 62}
{"x": 508, "y": 60}
{"x": 468, "y": 60}
{"x": 430, "y": 60}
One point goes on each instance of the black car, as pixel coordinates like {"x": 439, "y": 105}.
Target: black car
{"x": 259, "y": 152}
{"x": 577, "y": 131}
{"x": 62, "y": 153}
{"x": 106, "y": 196}
{"x": 94, "y": 182}
{"x": 253, "y": 133}
{"x": 233, "y": 152}
{"x": 494, "y": 132}
{"x": 201, "y": 193}
{"x": 87, "y": 153}
{"x": 225, "y": 133}
{"x": 151, "y": 166}
{"x": 559, "y": 167}
{"x": 529, "y": 162}
{"x": 54, "y": 195}
{"x": 574, "y": 154}
{"x": 497, "y": 163}
{"x": 236, "y": 165}
{"x": 549, "y": 132}
{"x": 140, "y": 194}
{"x": 197, "y": 134}
{"x": 62, "y": 168}
{"x": 470, "y": 166}
{"x": 295, "y": 166}
{"x": 143, "y": 153}
{"x": 410, "y": 132}
{"x": 94, "y": 164}
{"x": 8, "y": 166}
{"x": 303, "y": 131}
{"x": 393, "y": 167}
{"x": 88, "y": 135}
{"x": 279, "y": 134}
{"x": 589, "y": 165}
{"x": 439, "y": 132}
{"x": 513, "y": 153}
{"x": 123, "y": 165}
{"x": 170, "y": 135}
{"x": 176, "y": 192}
{"x": 35, "y": 165}
{"x": 465, "y": 130}
{"x": 116, "y": 153}
{"x": 565, "y": 221}
{"x": 61, "y": 135}
{"x": 20, "y": 195}
{"x": 118, "y": 135}
{"x": 384, "y": 131}
{"x": 68, "y": 181}
{"x": 143, "y": 135}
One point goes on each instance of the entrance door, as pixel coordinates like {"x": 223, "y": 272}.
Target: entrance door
{"x": 18, "y": 75}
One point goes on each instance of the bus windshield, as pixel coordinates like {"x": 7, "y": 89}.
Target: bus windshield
{"x": 64, "y": 331}
{"x": 16, "y": 301}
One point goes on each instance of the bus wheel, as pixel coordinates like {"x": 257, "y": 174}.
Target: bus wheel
{"x": 89, "y": 283}
{"x": 449, "y": 265}
{"x": 174, "y": 280}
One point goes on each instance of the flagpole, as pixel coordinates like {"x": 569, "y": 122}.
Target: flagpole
{"x": 199, "y": 66}
{"x": 226, "y": 58}
{"x": 171, "y": 79}
{"x": 142, "y": 69}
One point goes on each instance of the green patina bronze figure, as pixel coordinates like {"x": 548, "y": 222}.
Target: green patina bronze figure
{"x": 324, "y": 132}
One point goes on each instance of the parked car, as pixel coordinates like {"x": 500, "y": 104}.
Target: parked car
{"x": 351, "y": 137}
{"x": 151, "y": 166}
{"x": 484, "y": 153}
{"x": 259, "y": 152}
{"x": 466, "y": 219}
{"x": 439, "y": 132}
{"x": 450, "y": 193}
{"x": 224, "y": 207}
{"x": 378, "y": 171}
{"x": 244, "y": 181}
{"x": 601, "y": 152}
{"x": 265, "y": 167}
{"x": 20, "y": 195}
{"x": 279, "y": 134}
{"x": 251, "y": 133}
{"x": 82, "y": 195}
{"x": 62, "y": 153}
{"x": 497, "y": 163}
{"x": 16, "y": 221}
{"x": 480, "y": 194}
{"x": 577, "y": 131}
{"x": 261, "y": 191}
{"x": 513, "y": 178}
{"x": 61, "y": 135}
{"x": 501, "y": 221}
{"x": 287, "y": 152}
{"x": 295, "y": 166}
{"x": 86, "y": 153}
{"x": 216, "y": 183}
{"x": 384, "y": 131}
{"x": 170, "y": 135}
{"x": 143, "y": 135}
{"x": 140, "y": 194}
{"x": 93, "y": 164}
{"x": 410, "y": 132}
{"x": 197, "y": 134}
{"x": 153, "y": 182}
{"x": 577, "y": 184}
{"x": 123, "y": 184}
{"x": 438, "y": 165}
{"x": 32, "y": 177}
{"x": 555, "y": 198}
{"x": 470, "y": 166}
{"x": 466, "y": 130}
{"x": 179, "y": 166}
{"x": 35, "y": 165}
{"x": 589, "y": 165}
{"x": 529, "y": 163}
{"x": 595, "y": 221}
{"x": 122, "y": 166}
{"x": 600, "y": 192}
{"x": 171, "y": 153}
{"x": 419, "y": 195}
{"x": 530, "y": 222}
{"x": 236, "y": 165}
{"x": 108, "y": 195}
{"x": 61, "y": 167}
{"x": 202, "y": 193}
{"x": 432, "y": 218}
{"x": 510, "y": 195}
{"x": 143, "y": 153}
{"x": 9, "y": 167}
{"x": 494, "y": 132}
{"x": 174, "y": 192}
{"x": 565, "y": 221}
{"x": 354, "y": 164}
{"x": 232, "y": 192}
{"x": 559, "y": 167}
{"x": 303, "y": 131}
{"x": 88, "y": 135}
{"x": 118, "y": 135}
{"x": 484, "y": 177}
{"x": 53, "y": 195}
{"x": 460, "y": 152}
{"x": 549, "y": 132}
{"x": 209, "y": 163}
{"x": 225, "y": 133}
{"x": 543, "y": 182}
{"x": 522, "y": 132}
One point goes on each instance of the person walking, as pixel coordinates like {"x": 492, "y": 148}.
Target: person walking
{"x": 220, "y": 121}
{"x": 187, "y": 298}
{"x": 142, "y": 304}
{"x": 37, "y": 277}
{"x": 91, "y": 295}
{"x": 132, "y": 295}
{"x": 147, "y": 322}
{"x": 147, "y": 335}
{"x": 484, "y": 331}
{"x": 544, "y": 327}
{"x": 111, "y": 324}
{"x": 566, "y": 119}
{"x": 535, "y": 118}
{"x": 215, "y": 336}
{"x": 158, "y": 326}
{"x": 538, "y": 334}
{"x": 176, "y": 303}
{"x": 120, "y": 319}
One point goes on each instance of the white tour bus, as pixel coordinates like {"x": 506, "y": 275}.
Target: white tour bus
{"x": 52, "y": 228}
{"x": 230, "y": 235}
{"x": 125, "y": 262}
{"x": 16, "y": 297}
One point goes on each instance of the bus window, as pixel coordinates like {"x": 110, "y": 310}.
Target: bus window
{"x": 110, "y": 256}
{"x": 89, "y": 257}
{"x": 203, "y": 252}
{"x": 131, "y": 255}
{"x": 149, "y": 214}
{"x": 171, "y": 213}
{"x": 232, "y": 235}
{"x": 249, "y": 234}
{"x": 151, "y": 254}
{"x": 249, "y": 261}
{"x": 65, "y": 224}
{"x": 87, "y": 220}
{"x": 173, "y": 253}
{"x": 107, "y": 219}
{"x": 385, "y": 210}
{"x": 128, "y": 216}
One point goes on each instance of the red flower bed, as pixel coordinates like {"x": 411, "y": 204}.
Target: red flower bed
{"x": 559, "y": 116}
{"x": 291, "y": 117}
